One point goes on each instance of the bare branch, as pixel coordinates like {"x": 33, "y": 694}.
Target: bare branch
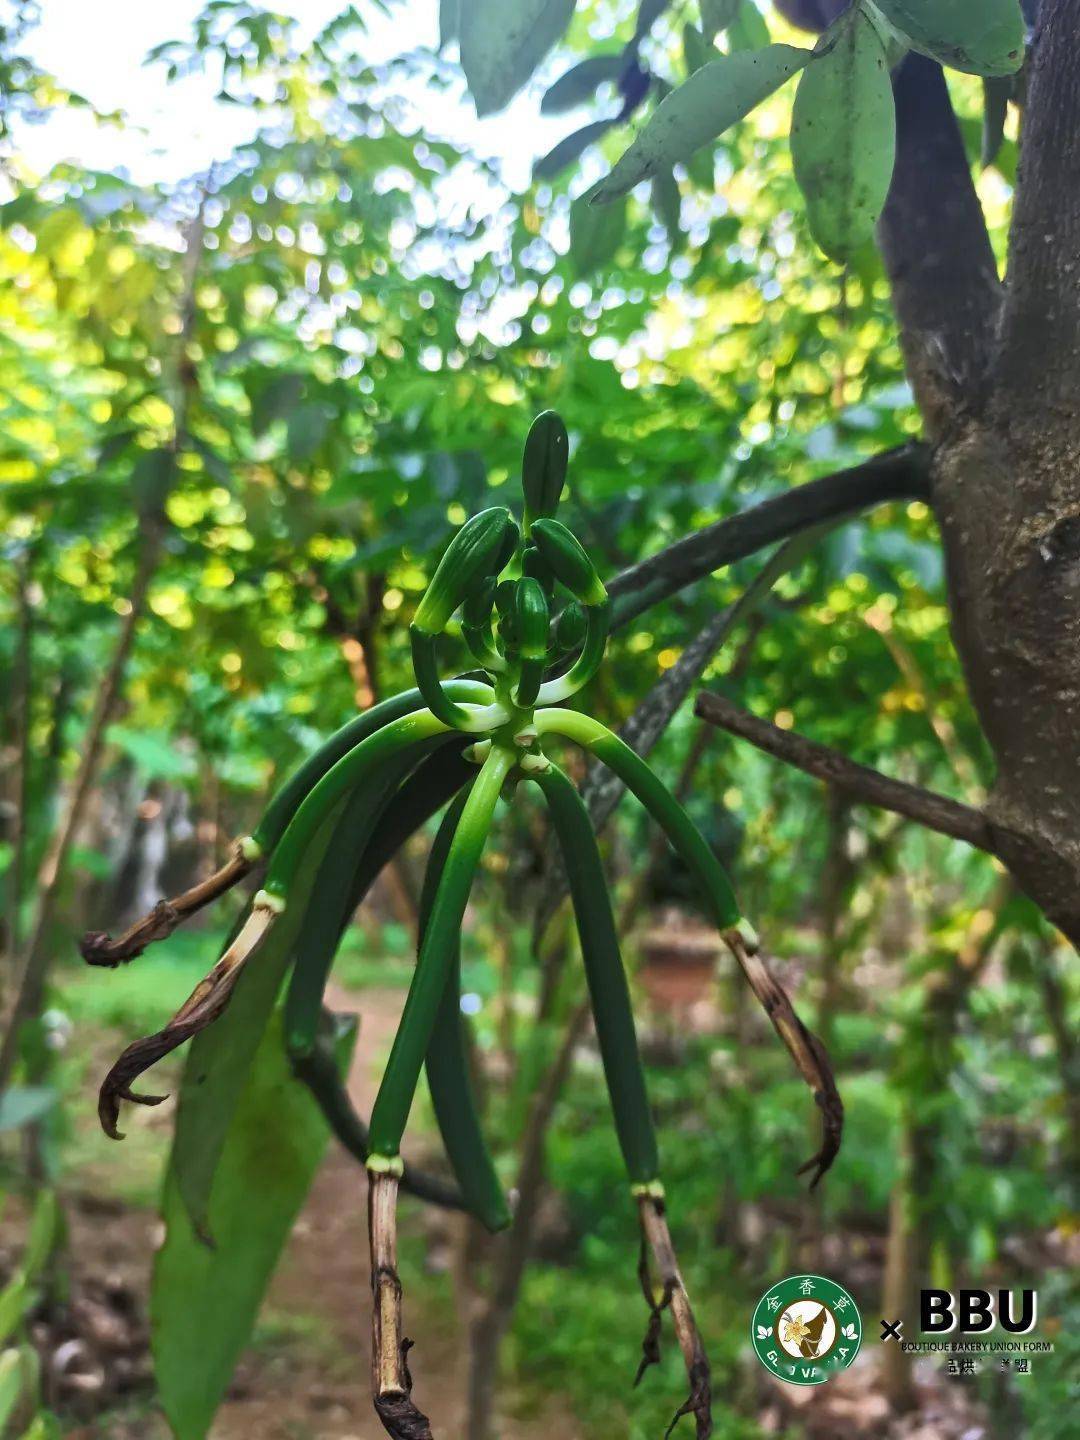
{"x": 99, "y": 948}
{"x": 936, "y": 812}
{"x": 900, "y": 474}
{"x": 937, "y": 252}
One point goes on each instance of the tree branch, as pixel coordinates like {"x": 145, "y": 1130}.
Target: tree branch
{"x": 936, "y": 812}
{"x": 900, "y": 474}
{"x": 1039, "y": 366}
{"x": 937, "y": 252}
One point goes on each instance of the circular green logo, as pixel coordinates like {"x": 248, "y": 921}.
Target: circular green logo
{"x": 806, "y": 1329}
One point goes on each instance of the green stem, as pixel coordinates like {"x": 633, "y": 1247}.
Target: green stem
{"x": 636, "y": 775}
{"x": 356, "y": 770}
{"x": 597, "y": 621}
{"x": 608, "y": 990}
{"x": 398, "y": 1086}
{"x": 436, "y": 695}
{"x": 287, "y": 800}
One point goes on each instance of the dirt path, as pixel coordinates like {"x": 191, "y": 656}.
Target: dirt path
{"x": 316, "y": 1383}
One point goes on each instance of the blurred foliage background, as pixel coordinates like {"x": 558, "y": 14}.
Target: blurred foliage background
{"x": 240, "y": 414}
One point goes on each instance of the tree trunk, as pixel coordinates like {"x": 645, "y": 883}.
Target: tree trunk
{"x": 995, "y": 370}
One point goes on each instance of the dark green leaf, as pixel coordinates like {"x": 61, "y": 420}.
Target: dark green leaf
{"x": 843, "y": 137}
{"x": 667, "y": 204}
{"x": 204, "y": 1301}
{"x": 220, "y": 1057}
{"x": 984, "y": 37}
{"x": 595, "y": 234}
{"x": 748, "y": 30}
{"x": 570, "y": 149}
{"x": 580, "y": 83}
{"x": 501, "y": 45}
{"x": 714, "y": 98}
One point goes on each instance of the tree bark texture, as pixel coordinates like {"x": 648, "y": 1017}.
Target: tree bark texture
{"x": 996, "y": 371}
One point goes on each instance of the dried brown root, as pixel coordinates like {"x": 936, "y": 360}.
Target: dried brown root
{"x": 810, "y": 1056}
{"x": 656, "y": 1240}
{"x": 99, "y": 948}
{"x": 200, "y": 1009}
{"x": 391, "y": 1380}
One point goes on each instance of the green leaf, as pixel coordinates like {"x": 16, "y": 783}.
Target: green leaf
{"x": 449, "y": 21}
{"x": 983, "y": 37}
{"x": 717, "y": 15}
{"x": 568, "y": 150}
{"x": 667, "y": 204}
{"x": 696, "y": 49}
{"x": 151, "y": 480}
{"x": 11, "y": 1384}
{"x": 42, "y": 1235}
{"x": 154, "y": 753}
{"x": 595, "y": 234}
{"x": 996, "y": 95}
{"x": 580, "y": 83}
{"x": 843, "y": 137}
{"x": 21, "y": 1104}
{"x": 204, "y": 1302}
{"x": 748, "y": 30}
{"x": 221, "y": 1055}
{"x": 15, "y": 1300}
{"x": 703, "y": 107}
{"x": 502, "y": 44}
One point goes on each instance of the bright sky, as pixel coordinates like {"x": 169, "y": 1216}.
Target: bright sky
{"x": 98, "y": 50}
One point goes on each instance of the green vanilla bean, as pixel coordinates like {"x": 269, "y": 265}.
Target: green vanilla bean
{"x": 597, "y": 621}
{"x": 332, "y": 904}
{"x": 481, "y": 547}
{"x": 543, "y": 466}
{"x": 569, "y": 563}
{"x": 532, "y": 620}
{"x": 359, "y": 769}
{"x": 398, "y": 1086}
{"x": 447, "y": 1062}
{"x": 287, "y": 800}
{"x": 636, "y": 775}
{"x": 570, "y": 627}
{"x": 609, "y": 993}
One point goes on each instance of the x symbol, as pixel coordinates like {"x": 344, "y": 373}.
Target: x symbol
{"x": 891, "y": 1331}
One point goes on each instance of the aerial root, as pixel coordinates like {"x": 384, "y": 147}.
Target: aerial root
{"x": 810, "y": 1056}
{"x": 656, "y": 1240}
{"x": 99, "y": 948}
{"x": 200, "y": 1009}
{"x": 391, "y": 1379}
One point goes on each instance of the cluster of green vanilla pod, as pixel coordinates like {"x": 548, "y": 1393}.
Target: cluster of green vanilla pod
{"x": 534, "y": 616}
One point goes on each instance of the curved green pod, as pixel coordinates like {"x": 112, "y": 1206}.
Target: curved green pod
{"x": 287, "y": 799}
{"x": 532, "y": 619}
{"x": 609, "y": 993}
{"x": 569, "y": 563}
{"x": 332, "y": 903}
{"x": 447, "y": 1063}
{"x": 480, "y": 548}
{"x": 543, "y": 466}
{"x": 636, "y": 775}
{"x": 597, "y": 623}
{"x": 354, "y": 771}
{"x": 398, "y": 1087}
